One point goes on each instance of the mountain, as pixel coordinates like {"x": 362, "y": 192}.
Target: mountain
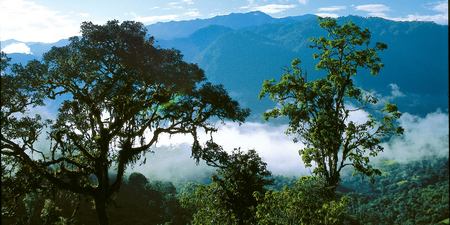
{"x": 415, "y": 61}
{"x": 180, "y": 29}
{"x": 241, "y": 50}
{"x": 37, "y": 49}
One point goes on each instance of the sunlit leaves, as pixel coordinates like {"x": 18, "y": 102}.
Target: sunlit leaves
{"x": 319, "y": 110}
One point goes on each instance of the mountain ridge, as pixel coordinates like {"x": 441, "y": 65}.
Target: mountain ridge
{"x": 241, "y": 56}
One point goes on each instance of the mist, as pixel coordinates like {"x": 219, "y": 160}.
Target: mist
{"x": 423, "y": 137}
{"x": 171, "y": 160}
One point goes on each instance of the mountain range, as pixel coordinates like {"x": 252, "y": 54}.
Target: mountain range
{"x": 240, "y": 50}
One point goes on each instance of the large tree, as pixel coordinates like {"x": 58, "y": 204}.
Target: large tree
{"x": 117, "y": 95}
{"x": 230, "y": 198}
{"x": 319, "y": 110}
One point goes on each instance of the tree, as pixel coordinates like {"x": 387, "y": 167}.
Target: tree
{"x": 119, "y": 93}
{"x": 306, "y": 202}
{"x": 230, "y": 198}
{"x": 319, "y": 110}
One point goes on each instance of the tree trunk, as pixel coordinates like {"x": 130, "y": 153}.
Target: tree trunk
{"x": 100, "y": 208}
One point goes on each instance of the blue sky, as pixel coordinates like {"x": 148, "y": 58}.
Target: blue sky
{"x": 49, "y": 20}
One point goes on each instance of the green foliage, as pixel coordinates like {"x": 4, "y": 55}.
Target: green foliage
{"x": 279, "y": 182}
{"x": 206, "y": 206}
{"x": 319, "y": 110}
{"x": 407, "y": 193}
{"x": 307, "y": 202}
{"x": 230, "y": 199}
{"x": 50, "y": 214}
{"x": 117, "y": 93}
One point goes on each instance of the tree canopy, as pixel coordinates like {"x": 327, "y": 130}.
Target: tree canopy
{"x": 118, "y": 94}
{"x": 319, "y": 110}
{"x": 230, "y": 198}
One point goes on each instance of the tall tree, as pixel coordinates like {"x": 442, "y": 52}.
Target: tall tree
{"x": 319, "y": 110}
{"x": 119, "y": 94}
{"x": 230, "y": 198}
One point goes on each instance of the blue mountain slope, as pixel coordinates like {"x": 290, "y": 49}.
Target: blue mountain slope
{"x": 180, "y": 29}
{"x": 241, "y": 50}
{"x": 193, "y": 45}
{"x": 416, "y": 60}
{"x": 37, "y": 49}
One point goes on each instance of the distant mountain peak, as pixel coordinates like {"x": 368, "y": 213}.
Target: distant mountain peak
{"x": 182, "y": 29}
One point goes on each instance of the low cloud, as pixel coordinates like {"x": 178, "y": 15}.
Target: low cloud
{"x": 423, "y": 137}
{"x": 274, "y": 147}
{"x": 332, "y": 15}
{"x": 172, "y": 163}
{"x": 17, "y": 48}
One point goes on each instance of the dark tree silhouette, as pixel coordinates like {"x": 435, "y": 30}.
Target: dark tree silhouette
{"x": 119, "y": 94}
{"x": 230, "y": 198}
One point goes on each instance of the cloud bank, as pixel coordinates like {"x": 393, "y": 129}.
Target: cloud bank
{"x": 423, "y": 137}
{"x": 17, "y": 48}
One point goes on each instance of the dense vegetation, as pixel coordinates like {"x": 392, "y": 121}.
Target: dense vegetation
{"x": 406, "y": 193}
{"x": 117, "y": 93}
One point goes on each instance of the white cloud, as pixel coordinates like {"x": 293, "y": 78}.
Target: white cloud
{"x": 379, "y": 10}
{"x": 441, "y": 7}
{"x": 438, "y": 18}
{"x": 28, "y": 21}
{"x": 17, "y": 48}
{"x": 270, "y": 8}
{"x": 274, "y": 147}
{"x": 441, "y": 16}
{"x": 332, "y": 8}
{"x": 373, "y": 9}
{"x": 332, "y": 15}
{"x": 423, "y": 137}
{"x": 303, "y": 2}
{"x": 395, "y": 91}
{"x": 172, "y": 164}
